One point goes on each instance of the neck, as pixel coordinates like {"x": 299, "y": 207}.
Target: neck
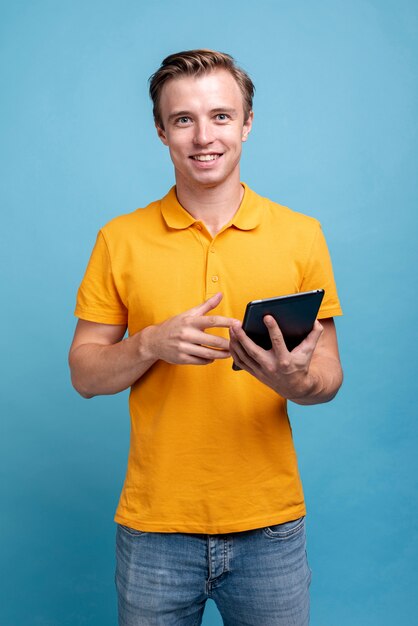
{"x": 214, "y": 205}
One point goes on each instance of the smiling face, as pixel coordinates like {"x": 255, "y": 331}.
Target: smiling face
{"x": 204, "y": 128}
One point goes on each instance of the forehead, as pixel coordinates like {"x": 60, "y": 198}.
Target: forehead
{"x": 214, "y": 90}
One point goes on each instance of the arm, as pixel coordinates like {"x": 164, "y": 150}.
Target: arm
{"x": 309, "y": 374}
{"x": 101, "y": 362}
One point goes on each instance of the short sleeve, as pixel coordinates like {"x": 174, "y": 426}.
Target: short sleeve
{"x": 98, "y": 299}
{"x": 319, "y": 275}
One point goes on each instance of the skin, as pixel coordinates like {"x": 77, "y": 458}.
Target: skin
{"x": 205, "y": 116}
{"x": 101, "y": 363}
{"x": 310, "y": 374}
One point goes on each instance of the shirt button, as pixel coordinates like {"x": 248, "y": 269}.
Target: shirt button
{"x": 199, "y": 226}
{"x": 215, "y": 279}
{"x": 212, "y": 250}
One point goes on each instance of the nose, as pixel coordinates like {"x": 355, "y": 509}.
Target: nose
{"x": 203, "y": 133}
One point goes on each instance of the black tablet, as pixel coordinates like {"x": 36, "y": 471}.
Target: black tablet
{"x": 295, "y": 314}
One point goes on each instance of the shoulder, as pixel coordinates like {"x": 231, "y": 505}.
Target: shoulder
{"x": 290, "y": 215}
{"x": 126, "y": 222}
{"x": 283, "y": 216}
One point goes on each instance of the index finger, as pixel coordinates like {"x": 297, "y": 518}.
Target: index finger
{"x": 214, "y": 321}
{"x": 207, "y": 305}
{"x": 311, "y": 340}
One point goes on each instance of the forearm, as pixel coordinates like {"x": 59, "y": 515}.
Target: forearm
{"x": 322, "y": 382}
{"x": 98, "y": 369}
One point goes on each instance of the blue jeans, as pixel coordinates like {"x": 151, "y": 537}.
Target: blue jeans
{"x": 256, "y": 578}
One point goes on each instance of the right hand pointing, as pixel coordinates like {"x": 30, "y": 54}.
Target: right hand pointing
{"x": 181, "y": 339}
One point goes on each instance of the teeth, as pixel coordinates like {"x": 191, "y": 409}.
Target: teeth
{"x": 205, "y": 157}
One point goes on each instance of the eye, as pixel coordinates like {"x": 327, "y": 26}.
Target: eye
{"x": 222, "y": 117}
{"x": 183, "y": 120}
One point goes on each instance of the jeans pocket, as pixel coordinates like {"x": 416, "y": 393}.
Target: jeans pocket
{"x": 287, "y": 530}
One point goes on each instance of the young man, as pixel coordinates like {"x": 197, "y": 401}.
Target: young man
{"x": 212, "y": 504}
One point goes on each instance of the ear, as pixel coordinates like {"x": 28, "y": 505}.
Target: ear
{"x": 161, "y": 134}
{"x": 247, "y": 126}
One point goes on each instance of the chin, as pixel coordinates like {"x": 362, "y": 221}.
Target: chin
{"x": 211, "y": 176}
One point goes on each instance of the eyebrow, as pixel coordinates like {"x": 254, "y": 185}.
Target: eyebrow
{"x": 229, "y": 110}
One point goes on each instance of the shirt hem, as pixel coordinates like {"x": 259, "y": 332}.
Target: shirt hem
{"x": 323, "y": 313}
{"x": 212, "y": 529}
{"x": 99, "y": 318}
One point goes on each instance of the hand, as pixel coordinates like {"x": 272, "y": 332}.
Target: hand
{"x": 285, "y": 372}
{"x": 182, "y": 340}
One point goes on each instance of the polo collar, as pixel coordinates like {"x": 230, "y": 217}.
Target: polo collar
{"x": 247, "y": 217}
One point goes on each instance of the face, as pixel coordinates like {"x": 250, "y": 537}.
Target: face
{"x": 204, "y": 128}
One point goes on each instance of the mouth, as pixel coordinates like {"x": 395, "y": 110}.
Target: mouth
{"x": 206, "y": 157}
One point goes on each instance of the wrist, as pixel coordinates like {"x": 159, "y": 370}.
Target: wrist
{"x": 145, "y": 344}
{"x": 306, "y": 388}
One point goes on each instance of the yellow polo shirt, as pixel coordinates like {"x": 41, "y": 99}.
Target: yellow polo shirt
{"x": 211, "y": 449}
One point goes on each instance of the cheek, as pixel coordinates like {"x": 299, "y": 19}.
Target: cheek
{"x": 178, "y": 154}
{"x": 178, "y": 144}
{"x": 235, "y": 139}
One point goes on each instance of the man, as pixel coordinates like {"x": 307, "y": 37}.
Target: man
{"x": 212, "y": 505}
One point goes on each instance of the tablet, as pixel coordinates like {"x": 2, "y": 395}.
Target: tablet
{"x": 294, "y": 313}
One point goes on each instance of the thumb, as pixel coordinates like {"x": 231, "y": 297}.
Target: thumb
{"x": 207, "y": 305}
{"x": 278, "y": 343}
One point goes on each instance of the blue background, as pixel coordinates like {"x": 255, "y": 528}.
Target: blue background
{"x": 335, "y": 137}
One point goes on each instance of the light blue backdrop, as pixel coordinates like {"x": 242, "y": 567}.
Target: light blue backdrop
{"x": 335, "y": 137}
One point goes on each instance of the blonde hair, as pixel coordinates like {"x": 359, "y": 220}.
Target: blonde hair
{"x": 197, "y": 63}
